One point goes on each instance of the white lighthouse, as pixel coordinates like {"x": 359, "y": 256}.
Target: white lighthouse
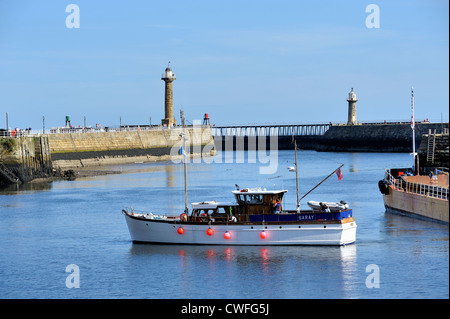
{"x": 351, "y": 108}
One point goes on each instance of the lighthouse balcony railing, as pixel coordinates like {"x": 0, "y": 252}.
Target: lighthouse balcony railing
{"x": 166, "y": 76}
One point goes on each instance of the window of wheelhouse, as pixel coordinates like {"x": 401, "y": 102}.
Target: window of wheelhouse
{"x": 250, "y": 198}
{"x": 240, "y": 198}
{"x": 255, "y": 198}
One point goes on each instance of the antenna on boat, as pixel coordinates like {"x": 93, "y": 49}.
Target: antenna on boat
{"x": 296, "y": 175}
{"x": 183, "y": 136}
{"x": 413, "y": 125}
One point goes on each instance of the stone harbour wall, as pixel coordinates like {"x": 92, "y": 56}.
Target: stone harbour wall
{"x": 23, "y": 159}
{"x": 105, "y": 148}
{"x": 373, "y": 137}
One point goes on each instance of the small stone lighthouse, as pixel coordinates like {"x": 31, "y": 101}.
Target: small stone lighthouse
{"x": 352, "y": 108}
{"x": 168, "y": 77}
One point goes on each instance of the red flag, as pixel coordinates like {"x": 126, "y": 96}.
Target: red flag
{"x": 339, "y": 174}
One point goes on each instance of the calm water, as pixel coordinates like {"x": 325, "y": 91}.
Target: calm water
{"x": 45, "y": 228}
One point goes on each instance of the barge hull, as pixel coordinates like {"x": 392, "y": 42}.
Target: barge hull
{"x": 416, "y": 205}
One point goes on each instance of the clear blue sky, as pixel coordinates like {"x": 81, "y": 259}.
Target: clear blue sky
{"x": 240, "y": 61}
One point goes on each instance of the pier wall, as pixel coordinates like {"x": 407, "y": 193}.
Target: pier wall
{"x": 433, "y": 156}
{"x": 373, "y": 137}
{"x": 388, "y": 137}
{"x": 23, "y": 159}
{"x": 71, "y": 150}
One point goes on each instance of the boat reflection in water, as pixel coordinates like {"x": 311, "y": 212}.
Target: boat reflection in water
{"x": 224, "y": 271}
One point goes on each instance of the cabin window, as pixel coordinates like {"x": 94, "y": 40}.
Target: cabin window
{"x": 198, "y": 212}
{"x": 222, "y": 210}
{"x": 227, "y": 210}
{"x": 254, "y": 199}
{"x": 240, "y": 198}
{"x": 250, "y": 198}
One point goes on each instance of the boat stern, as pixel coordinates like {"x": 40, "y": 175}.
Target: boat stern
{"x": 348, "y": 235}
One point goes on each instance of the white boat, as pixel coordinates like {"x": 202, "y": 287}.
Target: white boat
{"x": 248, "y": 221}
{"x": 255, "y": 217}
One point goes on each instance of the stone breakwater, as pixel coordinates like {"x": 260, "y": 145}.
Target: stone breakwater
{"x": 389, "y": 137}
{"x": 26, "y": 158}
{"x": 73, "y": 150}
{"x": 374, "y": 137}
{"x": 23, "y": 159}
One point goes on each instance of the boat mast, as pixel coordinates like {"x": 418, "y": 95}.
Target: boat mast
{"x": 413, "y": 125}
{"x": 296, "y": 175}
{"x": 186, "y": 210}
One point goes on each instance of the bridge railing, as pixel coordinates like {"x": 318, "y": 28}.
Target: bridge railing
{"x": 305, "y": 129}
{"x": 270, "y": 130}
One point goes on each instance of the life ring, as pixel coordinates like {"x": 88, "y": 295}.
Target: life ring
{"x": 13, "y": 133}
{"x": 183, "y": 217}
{"x": 203, "y": 217}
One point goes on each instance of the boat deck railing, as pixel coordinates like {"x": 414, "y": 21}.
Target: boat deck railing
{"x": 417, "y": 188}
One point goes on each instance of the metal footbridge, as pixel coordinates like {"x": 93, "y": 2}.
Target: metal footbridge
{"x": 268, "y": 130}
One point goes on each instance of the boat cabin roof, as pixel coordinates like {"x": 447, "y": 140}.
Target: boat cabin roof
{"x": 255, "y": 191}
{"x": 212, "y": 204}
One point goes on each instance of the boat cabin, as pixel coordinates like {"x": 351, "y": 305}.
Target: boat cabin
{"x": 256, "y": 201}
{"x": 214, "y": 211}
{"x": 258, "y": 205}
